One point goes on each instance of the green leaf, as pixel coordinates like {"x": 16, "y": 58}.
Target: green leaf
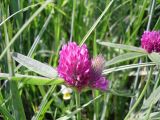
{"x": 96, "y": 23}
{"x": 23, "y": 28}
{"x": 45, "y": 104}
{"x": 36, "y": 66}
{"x": 123, "y": 93}
{"x": 157, "y": 25}
{"x": 155, "y": 116}
{"x": 33, "y": 80}
{"x": 153, "y": 98}
{"x": 124, "y": 57}
{"x": 66, "y": 117}
{"x": 126, "y": 67}
{"x": 6, "y": 113}
{"x": 19, "y": 11}
{"x": 121, "y": 46}
{"x": 155, "y": 57}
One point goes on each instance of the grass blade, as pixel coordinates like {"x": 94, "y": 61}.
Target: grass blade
{"x": 96, "y": 23}
{"x": 16, "y": 98}
{"x": 123, "y": 47}
{"x": 23, "y": 27}
{"x": 41, "y": 112}
{"x": 126, "y": 67}
{"x": 124, "y": 57}
{"x": 79, "y": 109}
{"x": 6, "y": 113}
{"x": 19, "y": 11}
{"x": 124, "y": 93}
{"x": 153, "y": 98}
{"x": 36, "y": 41}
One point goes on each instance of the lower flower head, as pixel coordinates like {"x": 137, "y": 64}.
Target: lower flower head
{"x": 150, "y": 41}
{"x": 74, "y": 65}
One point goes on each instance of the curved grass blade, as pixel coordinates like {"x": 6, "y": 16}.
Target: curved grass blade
{"x": 36, "y": 41}
{"x": 79, "y": 109}
{"x": 36, "y": 66}
{"x": 157, "y": 25}
{"x": 124, "y": 93}
{"x": 123, "y": 47}
{"x": 6, "y": 113}
{"x": 125, "y": 67}
{"x": 44, "y": 105}
{"x": 96, "y": 23}
{"x": 153, "y": 98}
{"x": 32, "y": 80}
{"x": 155, "y": 116}
{"x": 16, "y": 100}
{"x": 19, "y": 11}
{"x": 23, "y": 27}
{"x": 124, "y": 57}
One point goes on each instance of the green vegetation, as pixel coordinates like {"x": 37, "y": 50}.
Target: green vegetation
{"x": 31, "y": 35}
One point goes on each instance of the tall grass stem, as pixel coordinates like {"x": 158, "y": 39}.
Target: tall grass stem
{"x": 141, "y": 95}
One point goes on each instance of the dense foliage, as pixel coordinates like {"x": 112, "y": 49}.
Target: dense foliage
{"x": 32, "y": 33}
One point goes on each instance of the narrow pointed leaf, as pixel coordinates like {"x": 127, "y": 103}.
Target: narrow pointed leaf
{"x": 123, "y": 47}
{"x": 124, "y": 57}
{"x": 44, "y": 104}
{"x": 155, "y": 116}
{"x": 36, "y": 66}
{"x": 66, "y": 117}
{"x": 124, "y": 93}
{"x": 153, "y": 98}
{"x": 6, "y": 113}
{"x": 126, "y": 67}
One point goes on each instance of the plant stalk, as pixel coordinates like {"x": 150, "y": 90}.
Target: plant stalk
{"x": 141, "y": 95}
{"x": 77, "y": 95}
{"x": 17, "y": 109}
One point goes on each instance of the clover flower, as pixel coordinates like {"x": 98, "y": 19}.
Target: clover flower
{"x": 74, "y": 65}
{"x": 78, "y": 71}
{"x": 150, "y": 41}
{"x": 97, "y": 80}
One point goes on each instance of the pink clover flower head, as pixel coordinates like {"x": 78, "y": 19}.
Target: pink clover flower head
{"x": 74, "y": 65}
{"x": 97, "y": 80}
{"x": 150, "y": 41}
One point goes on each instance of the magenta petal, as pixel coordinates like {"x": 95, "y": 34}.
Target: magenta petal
{"x": 100, "y": 83}
{"x": 74, "y": 65}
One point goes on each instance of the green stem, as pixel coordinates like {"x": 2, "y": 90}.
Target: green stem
{"x": 96, "y": 104}
{"x": 36, "y": 41}
{"x": 148, "y": 28}
{"x": 151, "y": 14}
{"x": 73, "y": 17}
{"x": 96, "y": 23}
{"x": 17, "y": 109}
{"x": 41, "y": 112}
{"x": 95, "y": 92}
{"x": 141, "y": 95}
{"x": 155, "y": 86}
{"x": 23, "y": 27}
{"x": 77, "y": 95}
